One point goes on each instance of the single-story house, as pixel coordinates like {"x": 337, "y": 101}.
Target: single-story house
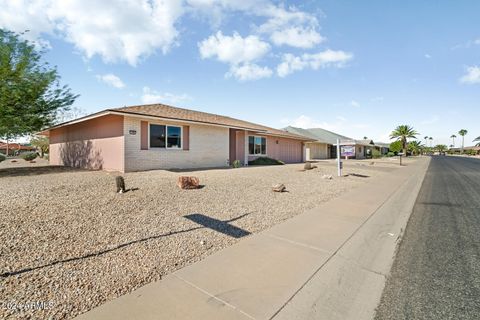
{"x": 324, "y": 144}
{"x": 158, "y": 136}
{"x": 15, "y": 148}
{"x": 383, "y": 147}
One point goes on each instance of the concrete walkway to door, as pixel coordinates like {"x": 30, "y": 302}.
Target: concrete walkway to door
{"x": 328, "y": 263}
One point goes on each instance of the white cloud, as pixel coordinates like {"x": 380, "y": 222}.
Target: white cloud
{"x": 472, "y": 76}
{"x": 355, "y": 104}
{"x": 427, "y": 56}
{"x": 327, "y": 58}
{"x": 150, "y": 96}
{"x": 233, "y": 49}
{"x": 239, "y": 52}
{"x": 111, "y": 80}
{"x": 249, "y": 71}
{"x": 477, "y": 41}
{"x": 377, "y": 99}
{"x": 116, "y": 31}
{"x": 299, "y": 37}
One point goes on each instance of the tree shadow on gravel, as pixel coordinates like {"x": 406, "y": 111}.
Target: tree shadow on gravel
{"x": 219, "y": 223}
{"x": 33, "y": 171}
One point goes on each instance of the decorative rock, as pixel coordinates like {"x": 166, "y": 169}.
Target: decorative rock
{"x": 120, "y": 184}
{"x": 184, "y": 182}
{"x": 327, "y": 177}
{"x": 307, "y": 166}
{"x": 279, "y": 187}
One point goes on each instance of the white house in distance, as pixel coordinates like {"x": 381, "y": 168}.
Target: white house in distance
{"x": 324, "y": 144}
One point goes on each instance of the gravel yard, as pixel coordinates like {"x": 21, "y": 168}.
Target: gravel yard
{"x": 68, "y": 239}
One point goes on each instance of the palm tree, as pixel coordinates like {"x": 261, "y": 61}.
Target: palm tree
{"x": 453, "y": 139}
{"x": 426, "y": 138}
{"x": 431, "y": 141}
{"x": 463, "y": 133}
{"x": 441, "y": 147}
{"x": 415, "y": 147}
{"x": 478, "y": 144}
{"x": 402, "y": 133}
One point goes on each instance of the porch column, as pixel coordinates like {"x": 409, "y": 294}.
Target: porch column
{"x": 245, "y": 160}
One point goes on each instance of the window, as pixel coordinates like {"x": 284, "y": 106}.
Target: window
{"x": 174, "y": 137}
{"x": 169, "y": 137}
{"x": 257, "y": 145}
{"x": 157, "y": 136}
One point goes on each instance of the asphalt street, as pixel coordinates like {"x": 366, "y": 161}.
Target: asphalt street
{"x": 436, "y": 272}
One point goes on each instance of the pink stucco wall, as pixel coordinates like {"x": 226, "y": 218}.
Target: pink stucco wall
{"x": 93, "y": 144}
{"x": 284, "y": 149}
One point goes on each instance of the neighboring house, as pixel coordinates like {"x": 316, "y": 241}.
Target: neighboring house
{"x": 383, "y": 147}
{"x": 324, "y": 145}
{"x": 15, "y": 148}
{"x": 158, "y": 136}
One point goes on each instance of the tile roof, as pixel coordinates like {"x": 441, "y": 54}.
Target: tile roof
{"x": 318, "y": 134}
{"x": 174, "y": 113}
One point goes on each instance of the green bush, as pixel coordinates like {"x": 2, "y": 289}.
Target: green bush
{"x": 29, "y": 156}
{"x": 390, "y": 154}
{"x": 236, "y": 164}
{"x": 265, "y": 161}
{"x": 2, "y": 157}
{"x": 376, "y": 154}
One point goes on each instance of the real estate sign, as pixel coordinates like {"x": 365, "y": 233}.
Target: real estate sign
{"x": 347, "y": 151}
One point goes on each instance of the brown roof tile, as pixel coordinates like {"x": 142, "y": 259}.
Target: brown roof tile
{"x": 169, "y": 112}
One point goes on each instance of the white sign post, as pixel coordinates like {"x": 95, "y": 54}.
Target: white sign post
{"x": 339, "y": 160}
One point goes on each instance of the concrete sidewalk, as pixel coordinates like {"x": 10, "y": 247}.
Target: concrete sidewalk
{"x": 328, "y": 263}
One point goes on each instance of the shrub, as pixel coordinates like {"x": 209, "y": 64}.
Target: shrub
{"x": 390, "y": 154}
{"x": 29, "y": 156}
{"x": 376, "y": 154}
{"x": 236, "y": 164}
{"x": 2, "y": 157}
{"x": 46, "y": 156}
{"x": 265, "y": 161}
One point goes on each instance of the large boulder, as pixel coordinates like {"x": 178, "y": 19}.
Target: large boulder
{"x": 184, "y": 182}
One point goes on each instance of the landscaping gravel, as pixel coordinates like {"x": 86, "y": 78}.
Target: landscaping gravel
{"x": 69, "y": 243}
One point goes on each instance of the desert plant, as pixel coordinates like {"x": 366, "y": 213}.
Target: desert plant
{"x": 41, "y": 143}
{"x": 376, "y": 154}
{"x": 415, "y": 147}
{"x": 29, "y": 156}
{"x": 265, "y": 161}
{"x": 236, "y": 164}
{"x": 402, "y": 133}
{"x": 396, "y": 146}
{"x": 2, "y": 157}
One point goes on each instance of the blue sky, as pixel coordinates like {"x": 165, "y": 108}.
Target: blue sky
{"x": 355, "y": 67}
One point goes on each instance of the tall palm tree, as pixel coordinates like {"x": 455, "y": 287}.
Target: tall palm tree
{"x": 431, "y": 141}
{"x": 478, "y": 144}
{"x": 453, "y": 139}
{"x": 463, "y": 133}
{"x": 402, "y": 133}
{"x": 426, "y": 138}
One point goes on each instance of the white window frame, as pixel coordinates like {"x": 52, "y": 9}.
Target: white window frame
{"x": 257, "y": 154}
{"x": 166, "y": 137}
